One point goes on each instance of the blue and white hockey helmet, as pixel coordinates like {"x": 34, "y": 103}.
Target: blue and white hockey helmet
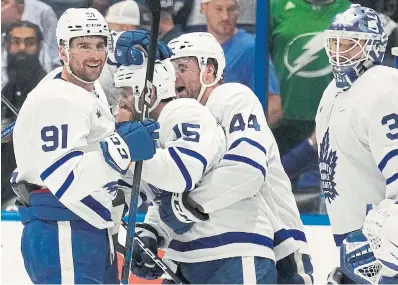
{"x": 354, "y": 42}
{"x": 129, "y": 84}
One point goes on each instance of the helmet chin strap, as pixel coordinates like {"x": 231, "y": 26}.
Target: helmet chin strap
{"x": 203, "y": 85}
{"x": 69, "y": 70}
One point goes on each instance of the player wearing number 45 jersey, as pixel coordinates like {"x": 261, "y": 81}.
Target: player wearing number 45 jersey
{"x": 69, "y": 158}
{"x": 357, "y": 135}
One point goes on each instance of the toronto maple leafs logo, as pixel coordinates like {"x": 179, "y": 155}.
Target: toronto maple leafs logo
{"x": 327, "y": 167}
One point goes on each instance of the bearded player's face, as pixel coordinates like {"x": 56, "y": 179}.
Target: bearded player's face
{"x": 87, "y": 57}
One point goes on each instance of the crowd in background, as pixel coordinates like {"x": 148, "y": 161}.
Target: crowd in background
{"x": 298, "y": 70}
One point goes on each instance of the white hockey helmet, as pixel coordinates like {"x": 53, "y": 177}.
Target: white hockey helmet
{"x": 202, "y": 46}
{"x": 133, "y": 76}
{"x": 80, "y": 22}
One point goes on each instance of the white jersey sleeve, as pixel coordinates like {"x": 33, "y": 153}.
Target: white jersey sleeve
{"x": 242, "y": 171}
{"x": 191, "y": 142}
{"x": 377, "y": 123}
{"x": 57, "y": 138}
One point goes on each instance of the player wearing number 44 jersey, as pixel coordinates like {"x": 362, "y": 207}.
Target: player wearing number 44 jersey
{"x": 69, "y": 158}
{"x": 357, "y": 135}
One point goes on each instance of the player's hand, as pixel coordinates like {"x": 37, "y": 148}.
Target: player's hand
{"x": 141, "y": 264}
{"x": 132, "y": 141}
{"x": 179, "y": 212}
{"x": 141, "y": 138}
{"x": 335, "y": 277}
{"x": 127, "y": 53}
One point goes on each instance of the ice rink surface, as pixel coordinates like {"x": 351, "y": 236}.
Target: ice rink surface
{"x": 320, "y": 240}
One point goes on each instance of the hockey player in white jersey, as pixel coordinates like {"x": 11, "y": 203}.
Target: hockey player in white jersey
{"x": 69, "y": 158}
{"x": 252, "y": 158}
{"x": 356, "y": 129}
{"x": 191, "y": 143}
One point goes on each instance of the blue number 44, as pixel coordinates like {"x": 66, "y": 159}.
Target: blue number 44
{"x": 52, "y": 136}
{"x": 238, "y": 123}
{"x": 188, "y": 132}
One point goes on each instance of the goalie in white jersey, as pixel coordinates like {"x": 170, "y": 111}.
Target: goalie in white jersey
{"x": 357, "y": 135}
{"x": 69, "y": 158}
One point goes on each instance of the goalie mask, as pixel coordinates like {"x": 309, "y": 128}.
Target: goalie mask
{"x": 354, "y": 42}
{"x": 129, "y": 85}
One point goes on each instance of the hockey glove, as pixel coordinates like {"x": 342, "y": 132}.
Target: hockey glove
{"x": 141, "y": 264}
{"x": 179, "y": 212}
{"x": 126, "y": 52}
{"x": 132, "y": 141}
{"x": 380, "y": 228}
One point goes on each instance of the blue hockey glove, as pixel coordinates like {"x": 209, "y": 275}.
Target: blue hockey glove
{"x": 127, "y": 54}
{"x": 141, "y": 264}
{"x": 132, "y": 141}
{"x": 179, "y": 212}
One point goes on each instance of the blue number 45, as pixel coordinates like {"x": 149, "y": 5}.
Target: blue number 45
{"x": 187, "y": 132}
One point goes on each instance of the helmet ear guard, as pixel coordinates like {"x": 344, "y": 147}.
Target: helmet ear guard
{"x": 81, "y": 22}
{"x": 133, "y": 78}
{"x": 202, "y": 46}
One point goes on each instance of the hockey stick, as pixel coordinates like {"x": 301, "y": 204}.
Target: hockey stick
{"x": 154, "y": 7}
{"x": 394, "y": 52}
{"x": 9, "y": 104}
{"x": 154, "y": 257}
{"x": 10, "y": 128}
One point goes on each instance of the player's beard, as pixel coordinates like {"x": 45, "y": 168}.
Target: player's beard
{"x": 86, "y": 73}
{"x": 189, "y": 92}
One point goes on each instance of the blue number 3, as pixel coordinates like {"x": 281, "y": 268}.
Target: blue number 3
{"x": 392, "y": 121}
{"x": 51, "y": 136}
{"x": 189, "y": 134}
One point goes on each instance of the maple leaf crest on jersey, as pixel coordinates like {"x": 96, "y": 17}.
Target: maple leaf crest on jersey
{"x": 327, "y": 166}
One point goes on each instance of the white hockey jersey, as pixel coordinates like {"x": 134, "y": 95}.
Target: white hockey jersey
{"x": 357, "y": 134}
{"x": 56, "y": 144}
{"x": 252, "y": 146}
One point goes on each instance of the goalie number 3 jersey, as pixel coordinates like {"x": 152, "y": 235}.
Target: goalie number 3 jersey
{"x": 357, "y": 134}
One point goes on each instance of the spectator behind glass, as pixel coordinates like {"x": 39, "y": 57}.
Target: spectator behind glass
{"x": 43, "y": 15}
{"x": 239, "y": 48}
{"x": 196, "y": 22}
{"x": 167, "y": 29}
{"x": 123, "y": 16}
{"x": 101, "y": 5}
{"x": 23, "y": 41}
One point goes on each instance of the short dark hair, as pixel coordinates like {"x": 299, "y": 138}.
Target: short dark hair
{"x": 23, "y": 24}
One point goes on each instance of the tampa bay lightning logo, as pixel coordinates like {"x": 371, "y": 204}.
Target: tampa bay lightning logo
{"x": 327, "y": 167}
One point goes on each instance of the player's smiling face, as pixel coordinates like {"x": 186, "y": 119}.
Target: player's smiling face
{"x": 187, "y": 77}
{"x": 87, "y": 57}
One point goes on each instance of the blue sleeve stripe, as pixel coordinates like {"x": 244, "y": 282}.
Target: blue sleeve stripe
{"x": 221, "y": 240}
{"x": 194, "y": 154}
{"x": 283, "y": 234}
{"x": 65, "y": 185}
{"x": 280, "y": 236}
{"x": 250, "y": 141}
{"x": 298, "y": 235}
{"x": 246, "y": 160}
{"x": 183, "y": 169}
{"x": 386, "y": 158}
{"x": 59, "y": 163}
{"x": 392, "y": 179}
{"x": 97, "y": 207}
